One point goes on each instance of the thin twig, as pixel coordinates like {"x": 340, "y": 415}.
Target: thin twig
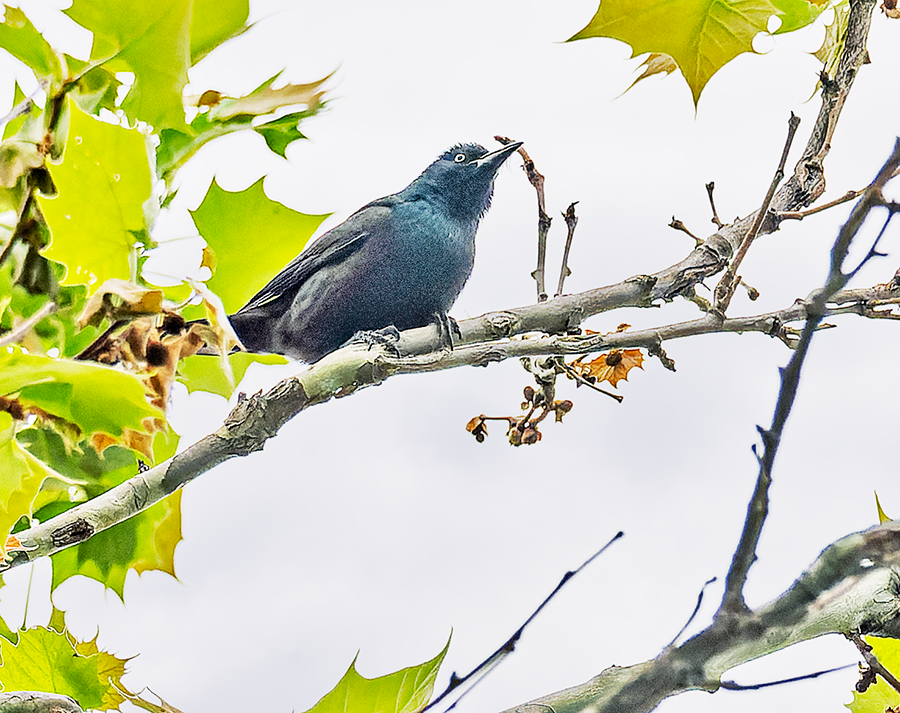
{"x": 732, "y": 686}
{"x": 17, "y": 334}
{"x": 676, "y": 224}
{"x": 537, "y": 180}
{"x": 509, "y": 646}
{"x": 710, "y": 187}
{"x": 693, "y": 613}
{"x": 581, "y": 380}
{"x": 571, "y": 221}
{"x": 873, "y": 663}
{"x": 801, "y": 214}
{"x": 745, "y": 554}
{"x": 725, "y": 288}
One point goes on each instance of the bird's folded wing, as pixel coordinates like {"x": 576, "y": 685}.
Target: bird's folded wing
{"x": 335, "y": 245}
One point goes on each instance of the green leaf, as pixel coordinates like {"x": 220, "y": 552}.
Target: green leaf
{"x": 143, "y": 543}
{"x": 281, "y": 132}
{"x": 213, "y": 22}
{"x": 46, "y": 660}
{"x": 98, "y": 216}
{"x": 151, "y": 39}
{"x": 230, "y": 222}
{"x": 93, "y": 397}
{"x": 701, "y": 36}
{"x": 205, "y": 373}
{"x": 21, "y": 475}
{"x": 880, "y": 696}
{"x": 835, "y": 37}
{"x": 405, "y": 691}
{"x": 20, "y": 38}
{"x": 796, "y": 14}
{"x": 12, "y": 127}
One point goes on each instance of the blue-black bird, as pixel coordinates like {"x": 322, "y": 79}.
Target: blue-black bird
{"x": 400, "y": 261}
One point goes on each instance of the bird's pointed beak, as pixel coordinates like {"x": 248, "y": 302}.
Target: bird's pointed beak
{"x": 495, "y": 158}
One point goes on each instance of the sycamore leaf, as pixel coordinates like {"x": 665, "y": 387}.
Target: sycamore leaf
{"x": 103, "y": 183}
{"x": 404, "y": 691}
{"x": 92, "y": 397}
{"x": 701, "y": 36}
{"x": 795, "y": 14}
{"x": 143, "y": 543}
{"x": 612, "y": 367}
{"x": 21, "y": 475}
{"x": 213, "y": 22}
{"x": 655, "y": 64}
{"x": 151, "y": 39}
{"x": 829, "y": 54}
{"x": 205, "y": 373}
{"x": 265, "y": 99}
{"x": 120, "y": 299}
{"x": 20, "y": 38}
{"x": 230, "y": 221}
{"x": 48, "y": 661}
{"x": 880, "y": 696}
{"x": 16, "y": 159}
{"x": 281, "y": 132}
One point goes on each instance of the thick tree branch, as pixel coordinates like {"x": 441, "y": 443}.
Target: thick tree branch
{"x": 256, "y": 419}
{"x": 850, "y": 588}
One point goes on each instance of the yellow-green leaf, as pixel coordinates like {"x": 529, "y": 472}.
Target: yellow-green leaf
{"x": 700, "y": 35}
{"x": 882, "y": 516}
{"x": 93, "y": 397}
{"x": 205, "y": 373}
{"x": 46, "y": 660}
{"x": 151, "y": 39}
{"x": 21, "y": 475}
{"x": 404, "y": 691}
{"x": 20, "y": 38}
{"x": 103, "y": 182}
{"x": 232, "y": 222}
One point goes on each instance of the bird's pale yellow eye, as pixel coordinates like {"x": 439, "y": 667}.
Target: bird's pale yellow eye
{"x": 459, "y": 158}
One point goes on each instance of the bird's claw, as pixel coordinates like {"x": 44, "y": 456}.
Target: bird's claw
{"x": 386, "y": 338}
{"x": 447, "y": 327}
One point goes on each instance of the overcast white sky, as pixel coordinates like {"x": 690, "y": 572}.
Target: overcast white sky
{"x": 376, "y": 524}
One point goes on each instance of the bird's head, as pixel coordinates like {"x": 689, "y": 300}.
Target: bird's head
{"x": 462, "y": 178}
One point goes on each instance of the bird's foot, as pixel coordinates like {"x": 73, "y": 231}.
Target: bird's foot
{"x": 386, "y": 338}
{"x": 447, "y": 327}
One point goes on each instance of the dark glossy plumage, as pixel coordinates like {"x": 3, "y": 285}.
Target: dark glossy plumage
{"x": 399, "y": 261}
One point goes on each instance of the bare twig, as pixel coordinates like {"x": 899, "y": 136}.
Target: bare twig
{"x": 571, "y": 221}
{"x": 676, "y": 224}
{"x": 745, "y": 554}
{"x": 581, "y": 380}
{"x": 725, "y": 289}
{"x": 732, "y": 686}
{"x": 873, "y": 663}
{"x": 537, "y": 180}
{"x": 509, "y": 646}
{"x": 801, "y": 214}
{"x": 710, "y": 187}
{"x": 17, "y": 334}
{"x": 693, "y": 613}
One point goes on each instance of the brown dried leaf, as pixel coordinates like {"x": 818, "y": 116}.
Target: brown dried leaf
{"x": 611, "y": 367}
{"x": 266, "y": 100}
{"x": 119, "y": 299}
{"x": 656, "y": 63}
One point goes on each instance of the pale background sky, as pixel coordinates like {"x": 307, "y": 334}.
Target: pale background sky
{"x": 376, "y": 524}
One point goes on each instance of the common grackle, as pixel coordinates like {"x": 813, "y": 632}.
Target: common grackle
{"x": 400, "y": 261}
